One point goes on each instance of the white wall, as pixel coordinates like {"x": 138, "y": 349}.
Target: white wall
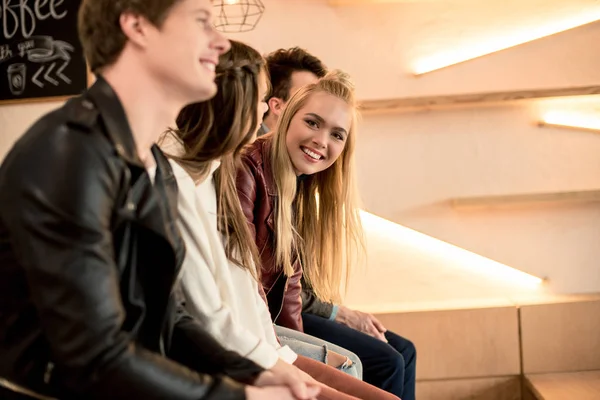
{"x": 379, "y": 43}
{"x": 16, "y": 118}
{"x": 411, "y": 163}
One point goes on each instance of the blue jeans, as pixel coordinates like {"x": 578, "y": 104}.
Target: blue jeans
{"x": 315, "y": 348}
{"x": 390, "y": 366}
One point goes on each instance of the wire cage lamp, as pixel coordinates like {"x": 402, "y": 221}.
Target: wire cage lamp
{"x": 238, "y": 15}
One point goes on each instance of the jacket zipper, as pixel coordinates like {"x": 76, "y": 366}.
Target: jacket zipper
{"x": 161, "y": 339}
{"x": 287, "y": 279}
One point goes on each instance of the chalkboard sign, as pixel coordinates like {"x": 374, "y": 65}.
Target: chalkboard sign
{"x": 40, "y": 52}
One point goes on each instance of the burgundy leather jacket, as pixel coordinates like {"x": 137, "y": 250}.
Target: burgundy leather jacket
{"x": 258, "y": 197}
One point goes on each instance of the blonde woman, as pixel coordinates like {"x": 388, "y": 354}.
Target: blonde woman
{"x": 298, "y": 191}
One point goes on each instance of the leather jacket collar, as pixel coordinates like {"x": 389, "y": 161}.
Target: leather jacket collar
{"x": 103, "y": 96}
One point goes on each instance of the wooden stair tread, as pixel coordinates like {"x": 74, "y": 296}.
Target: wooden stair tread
{"x": 471, "y": 99}
{"x": 563, "y": 386}
{"x": 525, "y": 199}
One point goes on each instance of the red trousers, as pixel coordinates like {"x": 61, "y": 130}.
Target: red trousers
{"x": 341, "y": 386}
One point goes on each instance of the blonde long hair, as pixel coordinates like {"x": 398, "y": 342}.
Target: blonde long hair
{"x": 318, "y": 219}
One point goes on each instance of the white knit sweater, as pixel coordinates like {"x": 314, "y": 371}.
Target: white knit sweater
{"x": 223, "y": 296}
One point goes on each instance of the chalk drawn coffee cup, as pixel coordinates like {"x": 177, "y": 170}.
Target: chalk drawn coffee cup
{"x": 16, "y": 78}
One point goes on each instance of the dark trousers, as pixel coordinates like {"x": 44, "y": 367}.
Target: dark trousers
{"x": 390, "y": 366}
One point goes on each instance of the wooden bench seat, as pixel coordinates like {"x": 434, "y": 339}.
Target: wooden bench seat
{"x": 564, "y": 386}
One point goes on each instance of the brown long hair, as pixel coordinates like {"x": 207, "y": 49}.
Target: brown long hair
{"x": 324, "y": 226}
{"x": 218, "y": 129}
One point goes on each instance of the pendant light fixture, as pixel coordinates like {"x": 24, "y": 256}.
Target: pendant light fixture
{"x": 238, "y": 15}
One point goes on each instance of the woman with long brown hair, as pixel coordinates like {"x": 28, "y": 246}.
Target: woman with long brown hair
{"x": 219, "y": 275}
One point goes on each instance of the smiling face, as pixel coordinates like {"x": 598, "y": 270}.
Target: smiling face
{"x": 318, "y": 132}
{"x": 184, "y": 51}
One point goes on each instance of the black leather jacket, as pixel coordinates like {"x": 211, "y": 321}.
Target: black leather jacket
{"x": 89, "y": 257}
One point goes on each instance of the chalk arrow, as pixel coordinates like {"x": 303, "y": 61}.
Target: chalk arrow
{"x": 61, "y": 75}
{"x": 35, "y": 80}
{"x": 46, "y": 77}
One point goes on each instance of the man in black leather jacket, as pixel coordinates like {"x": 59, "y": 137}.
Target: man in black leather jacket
{"x": 89, "y": 250}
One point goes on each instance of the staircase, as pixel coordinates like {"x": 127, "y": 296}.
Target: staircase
{"x": 537, "y": 348}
